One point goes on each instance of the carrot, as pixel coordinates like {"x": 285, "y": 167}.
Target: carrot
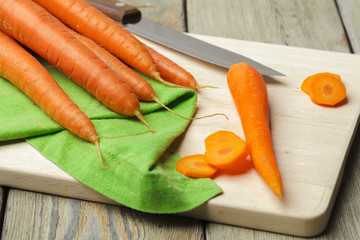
{"x": 219, "y": 136}
{"x": 224, "y": 149}
{"x": 142, "y": 88}
{"x": 305, "y": 86}
{"x": 44, "y": 34}
{"x": 248, "y": 89}
{"x": 172, "y": 72}
{"x": 195, "y": 166}
{"x": 324, "y": 88}
{"x": 92, "y": 23}
{"x": 227, "y": 153}
{"x": 37, "y": 83}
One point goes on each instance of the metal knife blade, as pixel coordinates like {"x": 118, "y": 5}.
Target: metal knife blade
{"x": 182, "y": 42}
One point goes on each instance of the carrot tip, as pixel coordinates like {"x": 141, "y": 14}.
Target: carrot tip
{"x": 142, "y": 119}
{"x": 160, "y": 79}
{"x": 278, "y": 193}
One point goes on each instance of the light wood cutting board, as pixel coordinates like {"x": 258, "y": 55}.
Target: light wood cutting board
{"x": 311, "y": 142}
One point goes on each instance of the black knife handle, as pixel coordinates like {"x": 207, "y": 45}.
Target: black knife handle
{"x": 118, "y": 11}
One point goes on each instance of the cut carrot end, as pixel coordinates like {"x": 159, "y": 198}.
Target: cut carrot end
{"x": 188, "y": 118}
{"x": 227, "y": 153}
{"x": 142, "y": 119}
{"x": 195, "y": 166}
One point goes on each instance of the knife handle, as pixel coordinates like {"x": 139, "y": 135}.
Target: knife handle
{"x": 118, "y": 11}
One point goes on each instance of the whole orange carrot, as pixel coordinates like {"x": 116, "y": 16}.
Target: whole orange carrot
{"x": 248, "y": 89}
{"x": 37, "y": 83}
{"x": 142, "y": 88}
{"x": 92, "y": 23}
{"x": 44, "y": 34}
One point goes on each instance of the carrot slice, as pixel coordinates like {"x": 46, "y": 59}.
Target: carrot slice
{"x": 195, "y": 166}
{"x": 305, "y": 86}
{"x": 219, "y": 136}
{"x": 227, "y": 153}
{"x": 327, "y": 91}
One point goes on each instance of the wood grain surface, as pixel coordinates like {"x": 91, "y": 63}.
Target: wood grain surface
{"x": 49, "y": 217}
{"x": 350, "y": 15}
{"x": 310, "y": 24}
{"x": 293, "y": 23}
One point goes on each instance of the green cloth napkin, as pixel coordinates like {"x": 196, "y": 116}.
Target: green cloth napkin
{"x": 146, "y": 180}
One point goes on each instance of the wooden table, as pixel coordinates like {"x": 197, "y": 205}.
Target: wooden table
{"x": 331, "y": 25}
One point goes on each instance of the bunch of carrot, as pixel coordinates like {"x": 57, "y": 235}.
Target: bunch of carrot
{"x": 90, "y": 57}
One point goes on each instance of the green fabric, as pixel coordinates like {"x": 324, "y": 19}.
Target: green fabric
{"x": 146, "y": 180}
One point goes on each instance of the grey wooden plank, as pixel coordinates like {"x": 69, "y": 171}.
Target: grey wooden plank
{"x": 32, "y": 215}
{"x": 302, "y": 23}
{"x": 350, "y": 13}
{"x": 2, "y": 203}
{"x": 1, "y": 199}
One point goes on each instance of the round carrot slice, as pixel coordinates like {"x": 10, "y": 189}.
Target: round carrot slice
{"x": 219, "y": 136}
{"x": 327, "y": 90}
{"x": 227, "y": 153}
{"x": 305, "y": 86}
{"x": 195, "y": 166}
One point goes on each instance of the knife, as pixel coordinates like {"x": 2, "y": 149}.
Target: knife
{"x": 130, "y": 17}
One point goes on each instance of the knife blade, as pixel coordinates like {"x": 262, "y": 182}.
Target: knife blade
{"x": 130, "y": 17}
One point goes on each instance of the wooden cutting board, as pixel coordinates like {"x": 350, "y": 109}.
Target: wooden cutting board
{"x": 311, "y": 142}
